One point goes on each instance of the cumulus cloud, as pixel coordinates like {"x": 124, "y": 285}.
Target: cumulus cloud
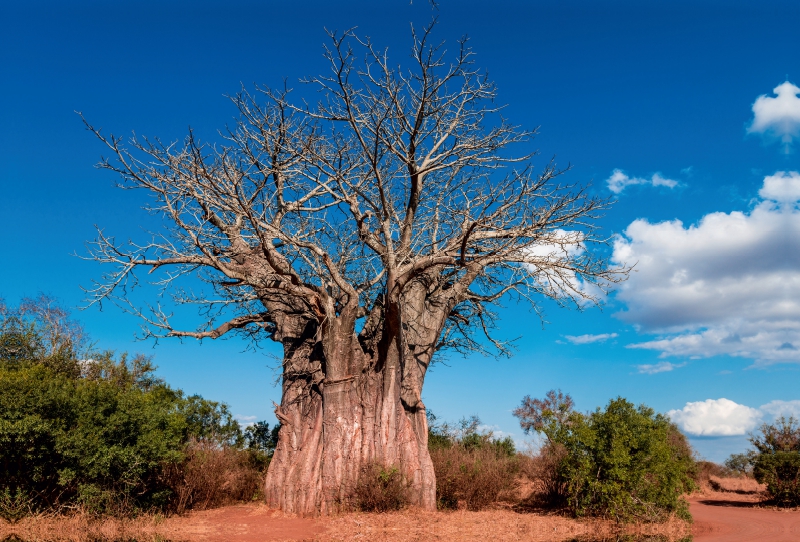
{"x": 778, "y": 117}
{"x": 660, "y": 367}
{"x": 588, "y": 339}
{"x": 727, "y": 285}
{"x": 619, "y": 181}
{"x": 783, "y": 188}
{"x": 725, "y": 418}
{"x": 555, "y": 246}
{"x": 716, "y": 418}
{"x": 776, "y": 409}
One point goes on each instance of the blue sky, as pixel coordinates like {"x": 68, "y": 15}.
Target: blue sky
{"x": 654, "y": 100}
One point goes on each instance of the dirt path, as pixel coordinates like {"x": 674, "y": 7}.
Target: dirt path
{"x": 719, "y": 517}
{"x": 729, "y": 517}
{"x": 245, "y": 523}
{"x": 257, "y": 523}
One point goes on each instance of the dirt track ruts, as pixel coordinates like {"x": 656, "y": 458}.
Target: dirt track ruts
{"x": 728, "y": 517}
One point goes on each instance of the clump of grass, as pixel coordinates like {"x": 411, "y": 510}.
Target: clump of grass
{"x": 473, "y": 469}
{"x": 214, "y": 475}
{"x": 380, "y": 489}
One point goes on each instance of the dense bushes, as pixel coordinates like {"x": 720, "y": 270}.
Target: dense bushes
{"x": 623, "y": 462}
{"x": 81, "y": 429}
{"x": 473, "y": 469}
{"x": 776, "y": 461}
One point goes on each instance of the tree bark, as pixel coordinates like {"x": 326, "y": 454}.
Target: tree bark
{"x": 348, "y": 401}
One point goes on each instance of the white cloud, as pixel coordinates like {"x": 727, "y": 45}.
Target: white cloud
{"x": 588, "y": 339}
{"x": 245, "y": 421}
{"x": 559, "y": 246}
{"x": 619, "y": 181}
{"x": 778, "y": 117}
{"x": 660, "y": 367}
{"x": 776, "y": 409}
{"x": 716, "y": 418}
{"x": 782, "y": 187}
{"x": 727, "y": 285}
{"x": 724, "y": 418}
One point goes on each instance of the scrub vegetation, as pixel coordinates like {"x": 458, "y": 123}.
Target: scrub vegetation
{"x": 776, "y": 460}
{"x": 622, "y": 462}
{"x": 87, "y": 431}
{"x": 93, "y": 431}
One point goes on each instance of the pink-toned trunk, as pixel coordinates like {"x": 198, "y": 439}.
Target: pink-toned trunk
{"x": 341, "y": 411}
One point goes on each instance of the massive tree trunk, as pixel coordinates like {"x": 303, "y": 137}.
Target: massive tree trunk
{"x": 348, "y": 401}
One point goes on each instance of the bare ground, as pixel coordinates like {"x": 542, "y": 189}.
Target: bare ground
{"x": 251, "y": 523}
{"x": 733, "y": 517}
{"x": 734, "y": 514}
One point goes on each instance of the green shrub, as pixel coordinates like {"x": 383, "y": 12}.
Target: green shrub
{"x": 624, "y": 462}
{"x": 776, "y": 462}
{"x": 780, "y": 472}
{"x": 740, "y": 464}
{"x": 97, "y": 432}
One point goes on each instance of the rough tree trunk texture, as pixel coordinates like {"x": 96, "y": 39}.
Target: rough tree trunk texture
{"x": 347, "y": 403}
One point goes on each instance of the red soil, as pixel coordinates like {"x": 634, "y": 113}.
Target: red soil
{"x": 718, "y": 517}
{"x": 730, "y": 517}
{"x": 245, "y": 523}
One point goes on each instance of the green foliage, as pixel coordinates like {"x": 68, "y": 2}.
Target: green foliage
{"x": 259, "y": 437}
{"x": 98, "y": 431}
{"x": 741, "y": 464}
{"x": 780, "y": 472}
{"x": 776, "y": 462}
{"x": 624, "y": 462}
{"x": 210, "y": 421}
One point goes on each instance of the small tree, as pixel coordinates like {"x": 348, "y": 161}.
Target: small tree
{"x": 260, "y": 437}
{"x": 776, "y": 462}
{"x": 364, "y": 234}
{"x": 623, "y": 462}
{"x": 741, "y": 464}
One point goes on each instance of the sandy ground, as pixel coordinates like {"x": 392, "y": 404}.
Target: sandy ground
{"x": 731, "y": 517}
{"x": 257, "y": 523}
{"x": 719, "y": 517}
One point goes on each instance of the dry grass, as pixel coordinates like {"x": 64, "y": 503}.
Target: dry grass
{"x": 212, "y": 476}
{"x": 712, "y": 477}
{"x": 473, "y": 479}
{"x": 743, "y": 485}
{"x": 499, "y": 525}
{"x": 81, "y": 528}
{"x": 538, "y": 472}
{"x": 379, "y": 489}
{"x": 257, "y": 523}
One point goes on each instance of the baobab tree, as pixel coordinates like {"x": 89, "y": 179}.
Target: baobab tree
{"x": 364, "y": 233}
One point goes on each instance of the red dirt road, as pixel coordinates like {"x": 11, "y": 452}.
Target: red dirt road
{"x": 728, "y": 517}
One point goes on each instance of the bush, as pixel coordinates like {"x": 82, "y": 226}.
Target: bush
{"x": 211, "y": 475}
{"x": 473, "y": 478}
{"x": 473, "y": 469}
{"x": 625, "y": 462}
{"x": 776, "y": 463}
{"x": 740, "y": 464}
{"x": 96, "y": 432}
{"x": 380, "y": 489}
{"x": 543, "y": 469}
